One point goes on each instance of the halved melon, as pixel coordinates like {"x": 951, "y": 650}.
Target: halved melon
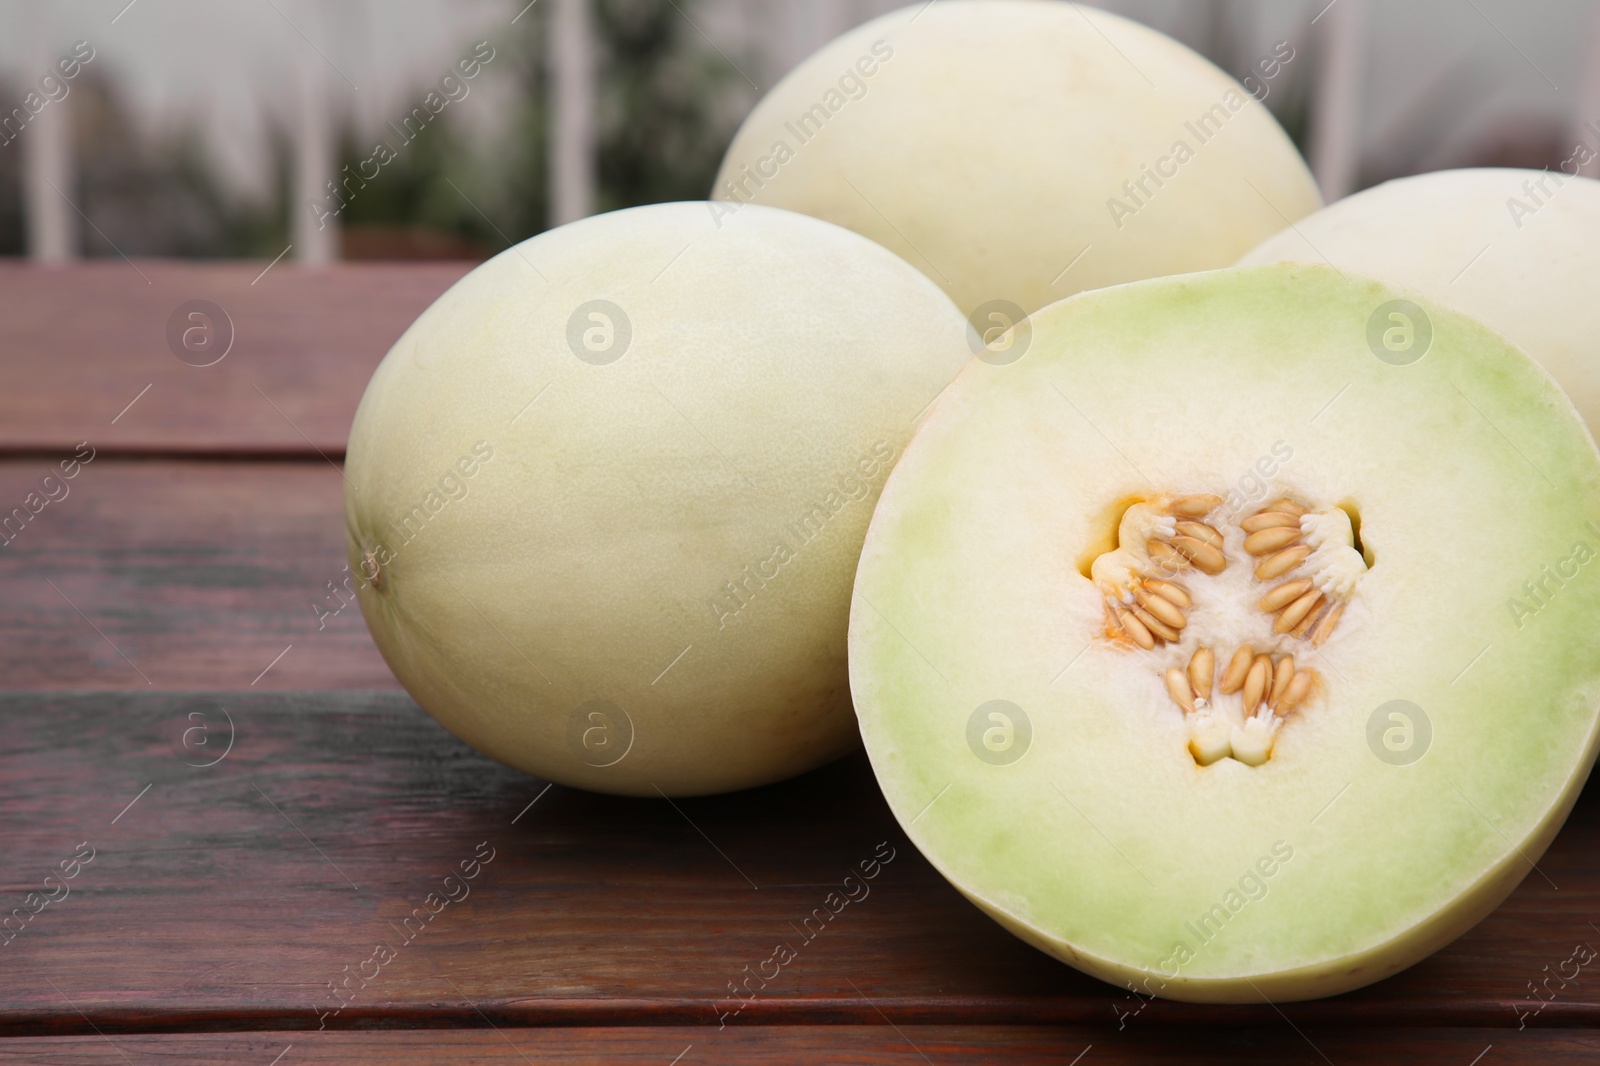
{"x": 1239, "y": 640}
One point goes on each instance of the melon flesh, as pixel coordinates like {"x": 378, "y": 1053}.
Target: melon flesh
{"x": 606, "y": 495}
{"x": 1519, "y": 250}
{"x": 1038, "y": 756}
{"x": 1023, "y": 150}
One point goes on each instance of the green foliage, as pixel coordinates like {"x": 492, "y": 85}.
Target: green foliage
{"x": 667, "y": 105}
{"x": 144, "y": 194}
{"x": 661, "y": 136}
{"x": 662, "y": 124}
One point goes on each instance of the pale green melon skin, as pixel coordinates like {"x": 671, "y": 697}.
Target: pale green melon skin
{"x": 1523, "y": 261}
{"x": 992, "y": 135}
{"x": 1105, "y": 838}
{"x": 774, "y": 359}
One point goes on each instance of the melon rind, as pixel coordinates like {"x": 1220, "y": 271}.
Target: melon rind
{"x": 1471, "y": 472}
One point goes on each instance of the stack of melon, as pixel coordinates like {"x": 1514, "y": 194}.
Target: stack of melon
{"x": 1224, "y": 629}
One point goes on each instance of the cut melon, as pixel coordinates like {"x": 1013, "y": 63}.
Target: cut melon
{"x": 1225, "y": 648}
{"x": 606, "y": 496}
{"x": 1019, "y": 151}
{"x": 1519, "y": 250}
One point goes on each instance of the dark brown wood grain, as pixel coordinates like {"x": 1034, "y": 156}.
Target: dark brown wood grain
{"x": 228, "y": 897}
{"x": 79, "y": 343}
{"x": 879, "y": 1045}
{"x": 188, "y": 574}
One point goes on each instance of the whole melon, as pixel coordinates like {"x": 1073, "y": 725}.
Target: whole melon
{"x": 606, "y": 496}
{"x": 1019, "y": 151}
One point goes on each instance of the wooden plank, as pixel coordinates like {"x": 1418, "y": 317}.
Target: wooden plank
{"x": 179, "y": 575}
{"x": 81, "y": 342}
{"x": 243, "y": 894}
{"x": 878, "y": 1045}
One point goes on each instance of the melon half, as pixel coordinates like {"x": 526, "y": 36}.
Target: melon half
{"x": 1238, "y": 641}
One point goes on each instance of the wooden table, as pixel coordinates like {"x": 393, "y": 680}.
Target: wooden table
{"x": 274, "y": 825}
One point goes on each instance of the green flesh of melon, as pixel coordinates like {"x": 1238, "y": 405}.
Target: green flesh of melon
{"x": 1376, "y": 831}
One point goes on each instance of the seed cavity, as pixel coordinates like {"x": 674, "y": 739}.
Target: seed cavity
{"x": 1309, "y": 563}
{"x": 1156, "y": 541}
{"x": 1322, "y": 544}
{"x": 1269, "y": 688}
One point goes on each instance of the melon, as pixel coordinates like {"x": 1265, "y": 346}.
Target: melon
{"x": 1519, "y": 250}
{"x": 1237, "y": 642}
{"x": 605, "y": 497}
{"x": 1020, "y": 151}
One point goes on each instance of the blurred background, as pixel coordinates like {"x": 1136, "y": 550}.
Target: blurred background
{"x": 360, "y": 129}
